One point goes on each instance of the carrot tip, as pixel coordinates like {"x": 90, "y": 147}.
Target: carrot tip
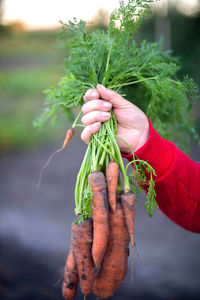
{"x": 69, "y": 135}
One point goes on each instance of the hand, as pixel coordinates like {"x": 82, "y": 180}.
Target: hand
{"x": 133, "y": 125}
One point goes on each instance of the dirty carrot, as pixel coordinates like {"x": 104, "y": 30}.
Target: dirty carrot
{"x": 112, "y": 172}
{"x": 115, "y": 262}
{"x": 71, "y": 278}
{"x": 129, "y": 204}
{"x": 100, "y": 216}
{"x": 82, "y": 246}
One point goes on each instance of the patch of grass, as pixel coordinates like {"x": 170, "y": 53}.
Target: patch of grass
{"x": 21, "y": 101}
{"x": 30, "y": 63}
{"x": 29, "y": 43}
{"x": 27, "y": 82}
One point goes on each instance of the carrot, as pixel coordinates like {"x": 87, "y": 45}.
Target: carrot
{"x": 69, "y": 135}
{"x": 82, "y": 245}
{"x": 100, "y": 216}
{"x": 128, "y": 204}
{"x": 71, "y": 279}
{"x": 115, "y": 262}
{"x": 112, "y": 171}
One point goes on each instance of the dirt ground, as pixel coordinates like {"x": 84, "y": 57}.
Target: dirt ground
{"x": 35, "y": 235}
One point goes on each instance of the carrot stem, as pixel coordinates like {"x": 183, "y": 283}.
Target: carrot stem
{"x": 76, "y": 120}
{"x": 118, "y": 158}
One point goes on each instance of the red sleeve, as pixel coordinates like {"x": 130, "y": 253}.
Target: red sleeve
{"x": 177, "y": 183}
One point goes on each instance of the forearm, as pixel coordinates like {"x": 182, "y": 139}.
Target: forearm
{"x": 177, "y": 183}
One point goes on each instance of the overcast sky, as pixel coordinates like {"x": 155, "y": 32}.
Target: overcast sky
{"x": 47, "y": 13}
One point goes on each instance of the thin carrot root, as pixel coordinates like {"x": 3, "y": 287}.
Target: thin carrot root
{"x": 82, "y": 245}
{"x": 138, "y": 255}
{"x": 71, "y": 278}
{"x": 69, "y": 135}
{"x": 115, "y": 262}
{"x": 100, "y": 216}
{"x": 129, "y": 204}
{"x": 112, "y": 172}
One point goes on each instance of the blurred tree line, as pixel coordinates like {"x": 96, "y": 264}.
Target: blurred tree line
{"x": 181, "y": 35}
{"x": 13, "y": 27}
{"x": 183, "y": 39}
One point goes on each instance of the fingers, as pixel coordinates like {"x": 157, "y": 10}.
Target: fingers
{"x": 113, "y": 97}
{"x": 103, "y": 93}
{"x": 91, "y": 94}
{"x": 95, "y": 111}
{"x": 99, "y": 105}
{"x": 89, "y": 130}
{"x": 95, "y": 116}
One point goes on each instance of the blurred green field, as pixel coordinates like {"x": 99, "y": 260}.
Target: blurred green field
{"x": 29, "y": 63}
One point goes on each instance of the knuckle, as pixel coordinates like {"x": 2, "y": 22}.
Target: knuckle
{"x": 95, "y": 105}
{"x": 87, "y": 94}
{"x": 91, "y": 117}
{"x": 90, "y": 94}
{"x": 84, "y": 108}
{"x": 83, "y": 120}
{"x": 100, "y": 105}
{"x": 83, "y": 135}
{"x": 100, "y": 115}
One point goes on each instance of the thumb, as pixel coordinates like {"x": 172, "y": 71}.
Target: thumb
{"x": 113, "y": 97}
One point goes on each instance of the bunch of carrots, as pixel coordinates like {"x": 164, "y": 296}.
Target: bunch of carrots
{"x": 98, "y": 255}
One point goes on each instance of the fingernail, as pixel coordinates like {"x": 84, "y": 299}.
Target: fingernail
{"x": 106, "y": 114}
{"x": 107, "y": 104}
{"x": 105, "y": 89}
{"x": 101, "y": 86}
{"x": 97, "y": 124}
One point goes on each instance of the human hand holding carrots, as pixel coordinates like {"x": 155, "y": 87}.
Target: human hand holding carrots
{"x": 133, "y": 126}
{"x": 99, "y": 246}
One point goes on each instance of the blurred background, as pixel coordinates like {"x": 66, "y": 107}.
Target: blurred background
{"x": 35, "y": 224}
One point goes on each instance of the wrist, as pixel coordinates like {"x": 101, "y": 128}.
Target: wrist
{"x": 143, "y": 135}
{"x": 156, "y": 151}
{"x": 140, "y": 135}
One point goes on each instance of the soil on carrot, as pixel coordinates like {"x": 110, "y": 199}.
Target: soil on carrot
{"x": 35, "y": 235}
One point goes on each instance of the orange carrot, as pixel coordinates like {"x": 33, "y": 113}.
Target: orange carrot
{"x": 82, "y": 247}
{"x": 115, "y": 262}
{"x": 70, "y": 277}
{"x": 100, "y": 216}
{"x": 112, "y": 171}
{"x": 128, "y": 204}
{"x": 69, "y": 135}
